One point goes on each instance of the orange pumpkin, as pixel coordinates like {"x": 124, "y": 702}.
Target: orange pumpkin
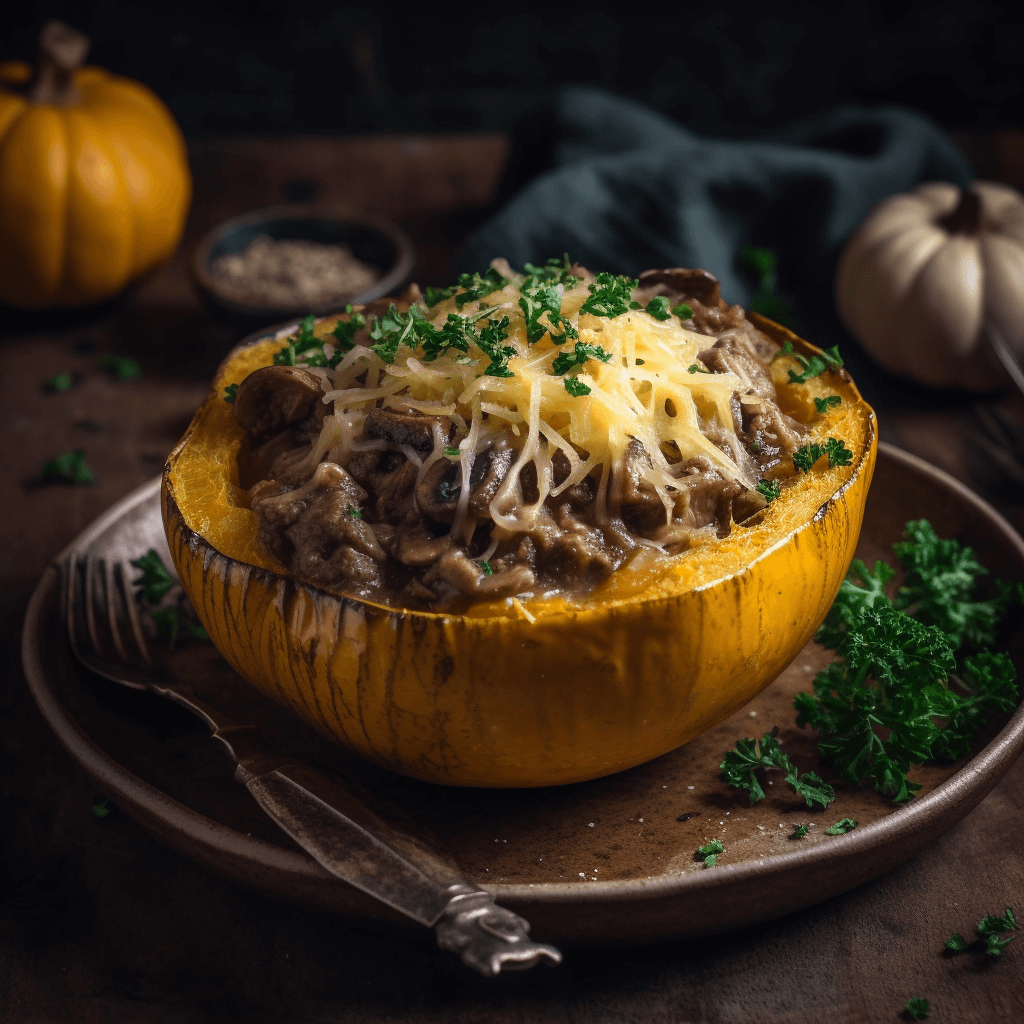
{"x": 94, "y": 178}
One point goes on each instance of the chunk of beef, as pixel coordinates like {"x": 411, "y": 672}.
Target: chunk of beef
{"x": 734, "y": 353}
{"x": 572, "y": 554}
{"x": 312, "y": 528}
{"x": 705, "y": 498}
{"x": 580, "y": 494}
{"x": 273, "y": 398}
{"x": 636, "y": 498}
{"x": 390, "y": 479}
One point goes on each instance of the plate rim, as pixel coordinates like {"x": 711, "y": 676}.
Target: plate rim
{"x": 971, "y": 783}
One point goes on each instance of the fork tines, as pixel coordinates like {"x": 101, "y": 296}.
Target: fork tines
{"x": 101, "y": 612}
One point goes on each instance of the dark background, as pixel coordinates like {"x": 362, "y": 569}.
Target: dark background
{"x": 723, "y": 68}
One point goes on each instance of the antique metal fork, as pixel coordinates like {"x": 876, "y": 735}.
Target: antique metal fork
{"x": 327, "y": 818}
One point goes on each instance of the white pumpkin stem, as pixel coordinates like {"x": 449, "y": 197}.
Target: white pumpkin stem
{"x": 966, "y": 218}
{"x": 62, "y": 51}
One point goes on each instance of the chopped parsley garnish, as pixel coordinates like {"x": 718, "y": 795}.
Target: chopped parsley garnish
{"x": 535, "y": 301}
{"x": 836, "y": 451}
{"x": 433, "y": 296}
{"x": 486, "y": 566}
{"x": 492, "y": 334}
{"x": 230, "y": 393}
{"x": 799, "y": 832}
{"x": 101, "y": 807}
{"x": 70, "y": 468}
{"x": 917, "y": 1008}
{"x": 746, "y": 765}
{"x": 121, "y": 367}
{"x": 155, "y": 581}
{"x": 990, "y": 931}
{"x": 841, "y": 827}
{"x": 696, "y": 368}
{"x": 477, "y": 286}
{"x": 683, "y": 311}
{"x": 658, "y": 308}
{"x": 640, "y": 362}
{"x": 344, "y": 332}
{"x": 566, "y": 361}
{"x": 906, "y": 665}
{"x": 453, "y": 453}
{"x": 455, "y": 333}
{"x": 395, "y": 329}
{"x": 829, "y": 359}
{"x": 709, "y": 852}
{"x": 554, "y": 271}
{"x": 60, "y": 382}
{"x": 576, "y": 387}
{"x": 769, "y": 489}
{"x": 355, "y": 513}
{"x": 823, "y": 404}
{"x": 610, "y": 295}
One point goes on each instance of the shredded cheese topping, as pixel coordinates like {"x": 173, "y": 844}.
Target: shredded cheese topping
{"x": 652, "y": 389}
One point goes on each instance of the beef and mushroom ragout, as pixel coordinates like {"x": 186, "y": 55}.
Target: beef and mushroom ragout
{"x": 516, "y": 435}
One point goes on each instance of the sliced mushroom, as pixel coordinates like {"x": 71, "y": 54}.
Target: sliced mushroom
{"x": 437, "y": 495}
{"x": 273, "y": 398}
{"x": 414, "y": 430}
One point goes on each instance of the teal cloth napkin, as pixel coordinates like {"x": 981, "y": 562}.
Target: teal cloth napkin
{"x": 630, "y": 189}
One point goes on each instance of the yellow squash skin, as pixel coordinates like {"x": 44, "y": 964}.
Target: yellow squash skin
{"x": 93, "y": 193}
{"x": 489, "y": 697}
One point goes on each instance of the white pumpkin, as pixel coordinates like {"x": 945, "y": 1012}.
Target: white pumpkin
{"x": 927, "y": 272}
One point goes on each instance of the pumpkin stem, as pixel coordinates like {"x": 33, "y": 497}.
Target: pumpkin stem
{"x": 966, "y": 218}
{"x": 62, "y": 51}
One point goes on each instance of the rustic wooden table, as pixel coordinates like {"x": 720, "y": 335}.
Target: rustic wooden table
{"x": 101, "y": 923}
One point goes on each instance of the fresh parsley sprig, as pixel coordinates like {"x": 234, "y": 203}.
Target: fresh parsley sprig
{"x": 815, "y": 365}
{"x": 744, "y": 766}
{"x": 909, "y": 684}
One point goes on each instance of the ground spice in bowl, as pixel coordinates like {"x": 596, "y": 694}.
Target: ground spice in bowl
{"x": 290, "y": 272}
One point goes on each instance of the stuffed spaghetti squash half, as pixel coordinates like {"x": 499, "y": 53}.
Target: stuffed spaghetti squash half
{"x": 528, "y": 530}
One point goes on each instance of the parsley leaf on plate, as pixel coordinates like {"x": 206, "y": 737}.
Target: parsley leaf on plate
{"x": 709, "y": 852}
{"x": 155, "y": 581}
{"x": 841, "y": 827}
{"x": 741, "y": 767}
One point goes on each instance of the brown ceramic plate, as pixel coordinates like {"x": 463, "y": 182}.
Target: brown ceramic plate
{"x": 612, "y": 860}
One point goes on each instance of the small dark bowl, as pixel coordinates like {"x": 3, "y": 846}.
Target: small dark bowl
{"x": 372, "y": 240}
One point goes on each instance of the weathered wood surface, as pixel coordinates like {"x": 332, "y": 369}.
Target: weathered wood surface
{"x": 100, "y": 923}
